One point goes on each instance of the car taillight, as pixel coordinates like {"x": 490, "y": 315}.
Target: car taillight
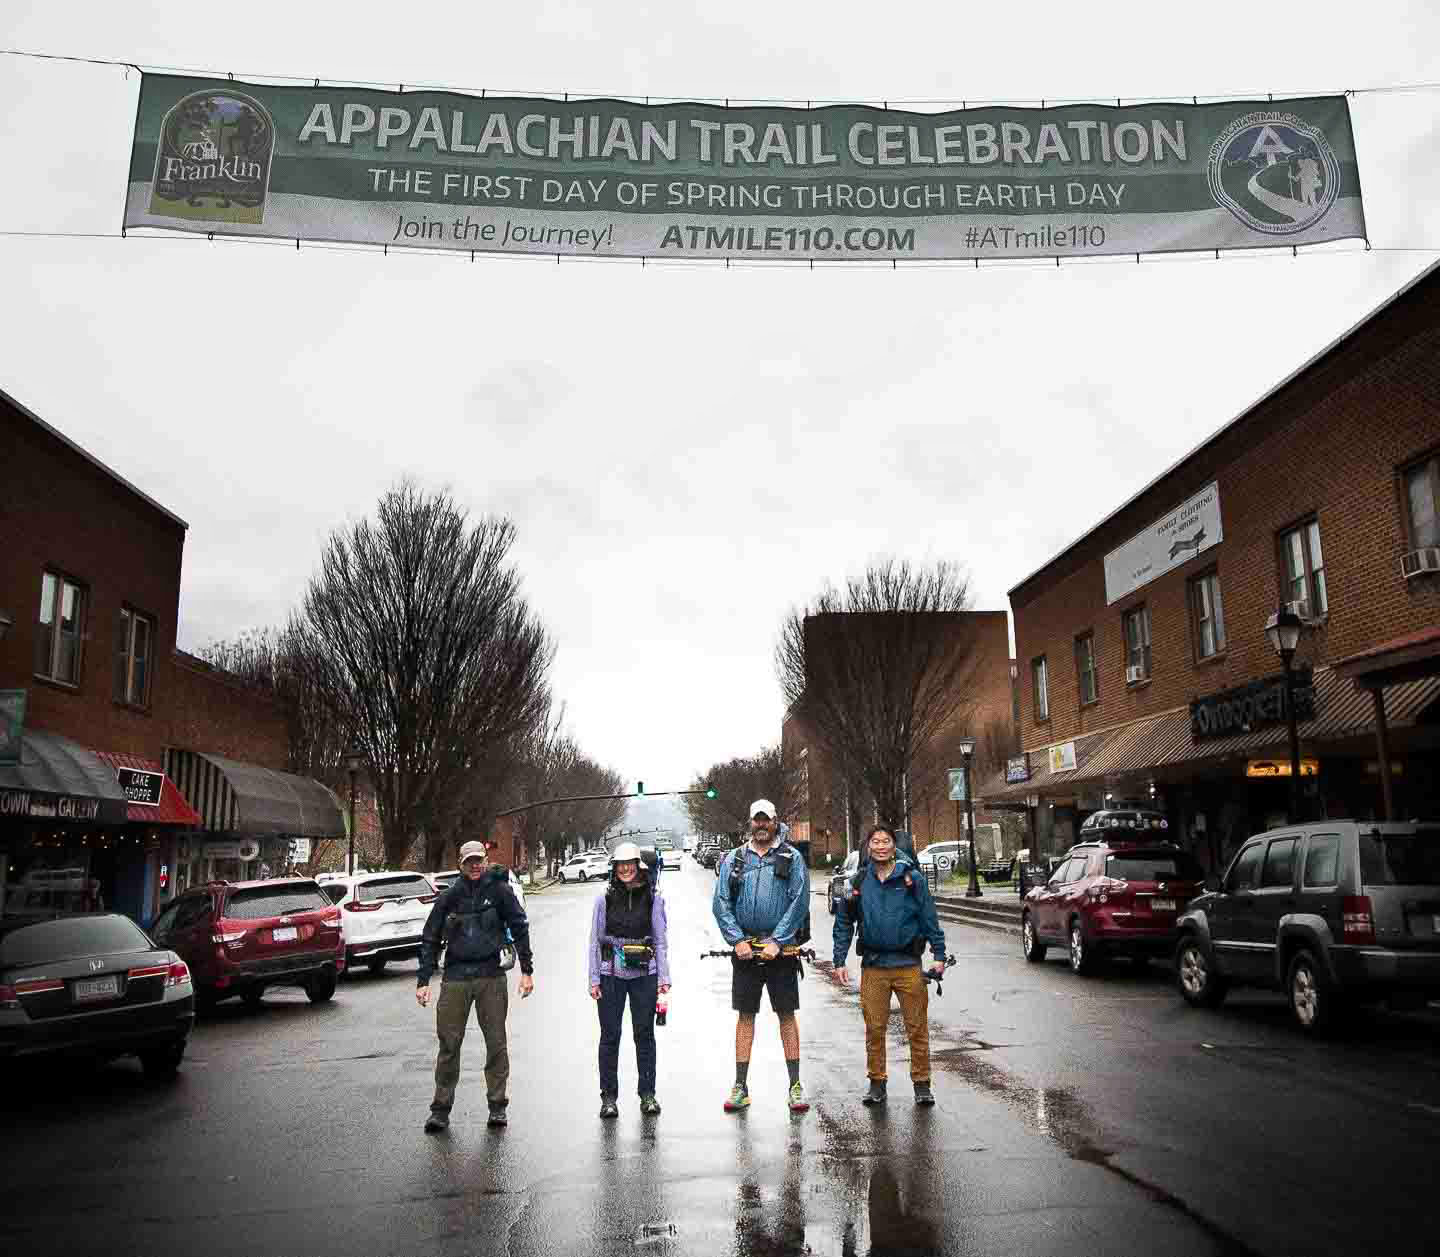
{"x": 1357, "y": 922}
{"x": 1107, "y": 888}
{"x": 229, "y": 937}
{"x": 150, "y": 971}
{"x": 8, "y": 997}
{"x": 178, "y": 974}
{"x": 331, "y": 916}
{"x": 354, "y": 905}
{"x": 429, "y": 898}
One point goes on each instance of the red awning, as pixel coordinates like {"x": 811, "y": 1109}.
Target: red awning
{"x": 173, "y": 808}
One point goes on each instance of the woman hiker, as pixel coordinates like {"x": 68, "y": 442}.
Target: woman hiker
{"x": 629, "y": 963}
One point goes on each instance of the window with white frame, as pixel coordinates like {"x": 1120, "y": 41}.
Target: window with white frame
{"x": 1422, "y": 502}
{"x": 1040, "y": 677}
{"x": 1305, "y": 570}
{"x": 1207, "y": 615}
{"x": 134, "y": 648}
{"x": 1137, "y": 644}
{"x": 1085, "y": 668}
{"x": 61, "y": 629}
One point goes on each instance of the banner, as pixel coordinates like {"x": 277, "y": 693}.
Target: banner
{"x": 610, "y": 178}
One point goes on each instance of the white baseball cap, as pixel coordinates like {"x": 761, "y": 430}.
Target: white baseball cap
{"x": 762, "y": 805}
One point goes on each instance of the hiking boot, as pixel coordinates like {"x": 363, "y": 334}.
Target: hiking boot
{"x": 649, "y": 1105}
{"x": 798, "y": 1102}
{"x": 436, "y": 1122}
{"x": 608, "y": 1107}
{"x": 497, "y": 1116}
{"x": 923, "y": 1094}
{"x": 876, "y": 1094}
{"x": 739, "y": 1098}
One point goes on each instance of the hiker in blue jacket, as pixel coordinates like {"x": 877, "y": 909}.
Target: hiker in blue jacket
{"x": 888, "y": 905}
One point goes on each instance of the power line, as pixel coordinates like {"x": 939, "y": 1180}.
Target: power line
{"x": 733, "y": 101}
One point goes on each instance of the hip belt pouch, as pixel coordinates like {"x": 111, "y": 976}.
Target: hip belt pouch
{"x": 633, "y": 955}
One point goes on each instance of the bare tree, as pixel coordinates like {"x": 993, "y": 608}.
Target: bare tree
{"x": 738, "y": 783}
{"x": 876, "y": 671}
{"x": 421, "y": 648}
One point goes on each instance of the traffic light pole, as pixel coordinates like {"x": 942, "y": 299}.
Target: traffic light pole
{"x": 595, "y": 798}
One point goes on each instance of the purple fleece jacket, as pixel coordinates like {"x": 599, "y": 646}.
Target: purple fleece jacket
{"x": 602, "y": 955}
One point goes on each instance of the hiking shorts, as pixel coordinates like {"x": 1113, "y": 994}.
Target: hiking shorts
{"x": 780, "y": 978}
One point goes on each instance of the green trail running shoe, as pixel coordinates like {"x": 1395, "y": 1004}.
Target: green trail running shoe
{"x": 739, "y": 1098}
{"x": 798, "y": 1102}
{"x": 649, "y": 1105}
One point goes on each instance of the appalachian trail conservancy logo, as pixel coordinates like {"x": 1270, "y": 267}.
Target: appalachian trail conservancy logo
{"x": 213, "y": 159}
{"x": 1275, "y": 173}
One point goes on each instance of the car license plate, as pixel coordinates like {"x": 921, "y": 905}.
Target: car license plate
{"x": 286, "y": 934}
{"x": 97, "y": 988}
{"x": 1162, "y": 905}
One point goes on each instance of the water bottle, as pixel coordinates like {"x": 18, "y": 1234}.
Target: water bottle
{"x": 662, "y": 1008}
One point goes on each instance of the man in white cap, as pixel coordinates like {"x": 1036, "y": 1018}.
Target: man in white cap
{"x": 762, "y": 892}
{"x": 469, "y": 920}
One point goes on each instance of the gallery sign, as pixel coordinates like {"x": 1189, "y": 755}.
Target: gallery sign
{"x": 1252, "y": 706}
{"x": 63, "y": 807}
{"x": 618, "y": 178}
{"x": 1175, "y": 538}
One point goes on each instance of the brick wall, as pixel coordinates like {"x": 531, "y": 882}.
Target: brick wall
{"x": 1330, "y": 444}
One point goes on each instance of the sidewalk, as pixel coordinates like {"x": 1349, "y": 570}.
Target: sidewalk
{"x": 997, "y": 908}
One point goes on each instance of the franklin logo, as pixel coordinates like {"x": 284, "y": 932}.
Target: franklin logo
{"x": 1275, "y": 173}
{"x": 213, "y": 160}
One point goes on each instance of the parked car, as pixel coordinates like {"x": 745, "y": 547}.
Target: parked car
{"x": 240, "y": 937}
{"x": 381, "y": 916}
{"x": 942, "y": 857}
{"x": 669, "y": 854}
{"x": 840, "y": 881}
{"x": 586, "y": 865}
{"x": 93, "y": 985}
{"x": 1334, "y": 913}
{"x": 1119, "y": 892}
{"x": 441, "y": 880}
{"x": 707, "y": 853}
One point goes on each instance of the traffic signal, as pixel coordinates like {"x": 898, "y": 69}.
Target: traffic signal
{"x": 711, "y": 792}
{"x": 640, "y": 787}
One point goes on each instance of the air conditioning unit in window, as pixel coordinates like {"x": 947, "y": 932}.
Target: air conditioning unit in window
{"x": 1425, "y": 559}
{"x": 1134, "y": 673}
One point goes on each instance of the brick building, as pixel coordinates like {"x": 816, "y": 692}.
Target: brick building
{"x": 94, "y": 690}
{"x": 816, "y": 794}
{"x": 1144, "y": 667}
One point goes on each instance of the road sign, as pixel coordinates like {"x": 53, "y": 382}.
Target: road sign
{"x": 957, "y": 784}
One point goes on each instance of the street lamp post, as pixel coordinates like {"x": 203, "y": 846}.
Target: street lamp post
{"x": 1283, "y": 629}
{"x": 354, "y": 761}
{"x": 967, "y": 752}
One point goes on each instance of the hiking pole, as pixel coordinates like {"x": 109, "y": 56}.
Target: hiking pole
{"x": 939, "y": 978}
{"x": 786, "y": 953}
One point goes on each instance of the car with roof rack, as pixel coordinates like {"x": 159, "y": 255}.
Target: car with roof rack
{"x": 1119, "y": 891}
{"x": 1334, "y": 913}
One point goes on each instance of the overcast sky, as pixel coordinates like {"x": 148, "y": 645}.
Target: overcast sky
{"x": 687, "y": 453}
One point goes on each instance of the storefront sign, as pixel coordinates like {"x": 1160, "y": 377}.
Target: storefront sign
{"x": 141, "y": 786}
{"x": 619, "y": 178}
{"x": 1372, "y": 767}
{"x": 1062, "y": 758}
{"x": 63, "y": 807}
{"x": 1252, "y": 706}
{"x": 232, "y": 849}
{"x": 1017, "y": 768}
{"x": 1280, "y": 768}
{"x": 12, "y": 725}
{"x": 1190, "y": 529}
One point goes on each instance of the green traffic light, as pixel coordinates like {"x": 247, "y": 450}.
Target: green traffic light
{"x": 710, "y": 792}
{"x": 641, "y": 787}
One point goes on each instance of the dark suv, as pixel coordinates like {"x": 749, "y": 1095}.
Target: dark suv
{"x": 240, "y": 937}
{"x": 1117, "y": 892}
{"x": 1333, "y": 913}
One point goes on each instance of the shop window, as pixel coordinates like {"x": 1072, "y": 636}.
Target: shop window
{"x": 1304, "y": 571}
{"x": 1207, "y": 616}
{"x": 1137, "y": 645}
{"x": 1085, "y": 668}
{"x": 62, "y": 627}
{"x": 1422, "y": 503}
{"x": 134, "y": 647}
{"x": 1040, "y": 678}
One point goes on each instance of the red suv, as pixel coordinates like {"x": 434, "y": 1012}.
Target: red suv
{"x": 240, "y": 937}
{"x": 1117, "y": 892}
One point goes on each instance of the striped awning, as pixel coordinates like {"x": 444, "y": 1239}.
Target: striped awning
{"x": 1342, "y": 710}
{"x": 234, "y": 797}
{"x": 173, "y": 809}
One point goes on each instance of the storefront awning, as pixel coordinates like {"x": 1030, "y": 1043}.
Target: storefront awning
{"x": 1165, "y": 741}
{"x": 172, "y": 809}
{"x": 57, "y": 779}
{"x": 234, "y": 797}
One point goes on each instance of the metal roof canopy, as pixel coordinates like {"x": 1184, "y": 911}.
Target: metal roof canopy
{"x": 235, "y": 797}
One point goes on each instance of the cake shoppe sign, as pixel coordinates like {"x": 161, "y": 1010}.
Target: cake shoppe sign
{"x": 613, "y": 178}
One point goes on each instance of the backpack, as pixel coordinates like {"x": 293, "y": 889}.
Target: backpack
{"x": 785, "y": 857}
{"x": 856, "y": 905}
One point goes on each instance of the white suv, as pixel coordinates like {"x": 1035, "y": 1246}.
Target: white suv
{"x": 382, "y": 915}
{"x": 443, "y": 881}
{"x": 588, "y": 864}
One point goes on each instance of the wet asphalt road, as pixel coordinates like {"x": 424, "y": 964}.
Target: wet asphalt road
{"x": 1075, "y": 1116}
